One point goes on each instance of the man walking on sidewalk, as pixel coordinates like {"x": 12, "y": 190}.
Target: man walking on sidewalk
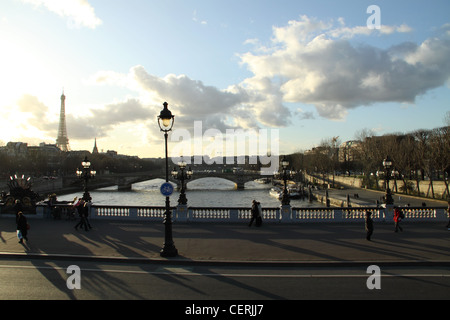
{"x": 369, "y": 225}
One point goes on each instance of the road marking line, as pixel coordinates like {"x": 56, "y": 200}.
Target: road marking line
{"x": 187, "y": 272}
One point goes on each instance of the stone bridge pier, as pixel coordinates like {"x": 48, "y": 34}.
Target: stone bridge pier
{"x": 123, "y": 184}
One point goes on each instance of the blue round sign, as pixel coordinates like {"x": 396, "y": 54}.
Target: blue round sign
{"x": 166, "y": 189}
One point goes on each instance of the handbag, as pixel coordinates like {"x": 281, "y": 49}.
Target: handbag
{"x": 19, "y": 234}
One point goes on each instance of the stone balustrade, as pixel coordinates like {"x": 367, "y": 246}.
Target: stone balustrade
{"x": 274, "y": 215}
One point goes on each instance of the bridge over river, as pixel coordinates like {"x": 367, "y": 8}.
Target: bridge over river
{"x": 124, "y": 181}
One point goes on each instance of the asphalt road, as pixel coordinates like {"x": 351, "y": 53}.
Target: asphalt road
{"x": 35, "y": 279}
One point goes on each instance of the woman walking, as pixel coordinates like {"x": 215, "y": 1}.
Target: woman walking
{"x": 256, "y": 214}
{"x": 398, "y": 215}
{"x": 82, "y": 212}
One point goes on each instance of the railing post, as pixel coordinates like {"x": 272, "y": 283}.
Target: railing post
{"x": 133, "y": 213}
{"x": 92, "y": 212}
{"x": 181, "y": 214}
{"x": 338, "y": 215}
{"x": 285, "y": 213}
{"x": 389, "y": 213}
{"x": 40, "y": 211}
{"x": 234, "y": 215}
{"x": 441, "y": 215}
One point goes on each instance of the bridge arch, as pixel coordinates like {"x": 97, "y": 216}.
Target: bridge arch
{"x": 238, "y": 178}
{"x": 125, "y": 181}
{"x": 224, "y": 184}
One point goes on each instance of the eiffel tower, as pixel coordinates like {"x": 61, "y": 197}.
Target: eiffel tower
{"x": 62, "y": 141}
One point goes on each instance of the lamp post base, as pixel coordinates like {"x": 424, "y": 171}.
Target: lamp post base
{"x": 169, "y": 251}
{"x": 86, "y": 196}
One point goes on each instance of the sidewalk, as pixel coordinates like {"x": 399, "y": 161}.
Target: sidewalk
{"x": 231, "y": 243}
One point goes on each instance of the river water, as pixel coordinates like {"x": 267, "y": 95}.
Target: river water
{"x": 206, "y": 192}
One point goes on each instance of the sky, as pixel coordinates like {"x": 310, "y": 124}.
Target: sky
{"x": 300, "y": 72}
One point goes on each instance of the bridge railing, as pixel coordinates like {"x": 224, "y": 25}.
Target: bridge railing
{"x": 287, "y": 214}
{"x": 283, "y": 214}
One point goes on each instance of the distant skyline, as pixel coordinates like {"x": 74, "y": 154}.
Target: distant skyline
{"x": 308, "y": 70}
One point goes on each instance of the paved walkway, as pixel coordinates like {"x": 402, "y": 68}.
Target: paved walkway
{"x": 300, "y": 243}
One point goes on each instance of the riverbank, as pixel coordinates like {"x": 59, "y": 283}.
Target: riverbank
{"x": 357, "y": 197}
{"x": 354, "y": 183}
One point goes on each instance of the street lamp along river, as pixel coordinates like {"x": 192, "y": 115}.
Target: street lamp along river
{"x": 387, "y": 164}
{"x": 86, "y": 173}
{"x": 182, "y": 175}
{"x": 165, "y": 122}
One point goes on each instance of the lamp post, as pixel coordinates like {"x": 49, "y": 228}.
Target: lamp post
{"x": 86, "y": 173}
{"x": 387, "y": 164}
{"x": 182, "y": 175}
{"x": 165, "y": 122}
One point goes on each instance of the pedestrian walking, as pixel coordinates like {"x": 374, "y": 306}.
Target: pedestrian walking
{"x": 256, "y": 214}
{"x": 259, "y": 217}
{"x": 71, "y": 213}
{"x": 18, "y": 207}
{"x": 88, "y": 210}
{"x": 398, "y": 216}
{"x": 82, "y": 212}
{"x": 369, "y": 225}
{"x": 22, "y": 227}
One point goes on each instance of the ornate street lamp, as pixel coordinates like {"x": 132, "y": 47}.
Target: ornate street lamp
{"x": 165, "y": 122}
{"x": 86, "y": 173}
{"x": 285, "y": 198}
{"x": 182, "y": 175}
{"x": 387, "y": 164}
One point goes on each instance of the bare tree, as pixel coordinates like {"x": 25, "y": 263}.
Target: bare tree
{"x": 421, "y": 155}
{"x": 403, "y": 159}
{"x": 447, "y": 119}
{"x": 440, "y": 153}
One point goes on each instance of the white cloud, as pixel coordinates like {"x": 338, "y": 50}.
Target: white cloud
{"x": 347, "y": 32}
{"x": 79, "y": 12}
{"x": 95, "y": 122}
{"x": 316, "y": 63}
{"x": 308, "y": 62}
{"x": 195, "y": 19}
{"x": 191, "y": 99}
{"x": 238, "y": 106}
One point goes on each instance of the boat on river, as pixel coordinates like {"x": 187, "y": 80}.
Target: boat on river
{"x": 293, "y": 192}
{"x": 276, "y": 192}
{"x": 263, "y": 180}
